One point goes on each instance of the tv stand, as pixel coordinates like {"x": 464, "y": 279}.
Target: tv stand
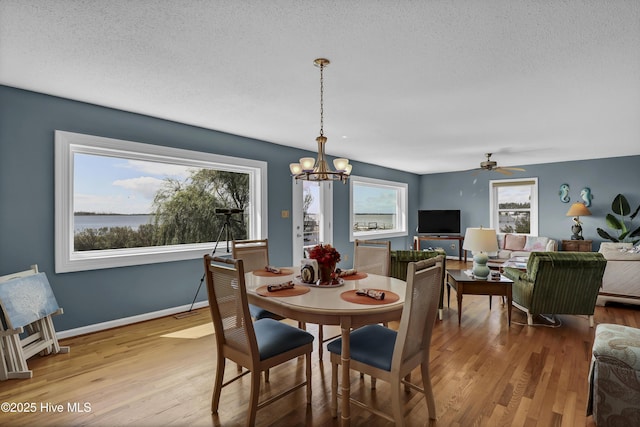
{"x": 460, "y": 239}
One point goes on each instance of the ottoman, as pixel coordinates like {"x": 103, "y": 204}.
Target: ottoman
{"x": 614, "y": 377}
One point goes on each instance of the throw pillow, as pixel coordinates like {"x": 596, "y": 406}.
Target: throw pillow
{"x": 536, "y": 244}
{"x": 514, "y": 242}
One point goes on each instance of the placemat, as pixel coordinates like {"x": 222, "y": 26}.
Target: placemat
{"x": 357, "y": 276}
{"x": 296, "y": 290}
{"x": 265, "y": 273}
{"x": 351, "y": 296}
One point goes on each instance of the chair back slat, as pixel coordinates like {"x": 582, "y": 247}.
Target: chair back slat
{"x": 372, "y": 256}
{"x": 424, "y": 284}
{"x": 253, "y": 253}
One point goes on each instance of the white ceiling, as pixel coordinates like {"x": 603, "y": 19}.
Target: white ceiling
{"x": 425, "y": 86}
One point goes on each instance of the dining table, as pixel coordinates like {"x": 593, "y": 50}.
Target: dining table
{"x": 336, "y": 304}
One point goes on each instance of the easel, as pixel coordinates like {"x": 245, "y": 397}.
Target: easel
{"x": 226, "y": 228}
{"x": 27, "y": 303}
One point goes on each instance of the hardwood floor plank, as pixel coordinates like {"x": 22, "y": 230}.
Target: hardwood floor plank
{"x": 160, "y": 372}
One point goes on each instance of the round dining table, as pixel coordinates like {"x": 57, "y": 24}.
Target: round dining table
{"x": 330, "y": 305}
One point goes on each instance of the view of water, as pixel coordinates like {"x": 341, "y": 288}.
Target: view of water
{"x": 82, "y": 222}
{"x": 374, "y": 221}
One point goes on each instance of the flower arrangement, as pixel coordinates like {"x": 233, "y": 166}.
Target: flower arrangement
{"x": 326, "y": 255}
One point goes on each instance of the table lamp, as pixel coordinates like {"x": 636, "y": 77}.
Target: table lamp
{"x": 577, "y": 210}
{"x": 480, "y": 241}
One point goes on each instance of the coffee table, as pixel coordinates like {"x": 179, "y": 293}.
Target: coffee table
{"x": 464, "y": 283}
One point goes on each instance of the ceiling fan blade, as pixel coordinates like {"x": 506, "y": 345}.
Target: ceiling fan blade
{"x": 503, "y": 171}
{"x": 515, "y": 169}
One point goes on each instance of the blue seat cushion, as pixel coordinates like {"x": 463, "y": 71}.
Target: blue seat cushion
{"x": 371, "y": 344}
{"x": 276, "y": 337}
{"x": 260, "y": 313}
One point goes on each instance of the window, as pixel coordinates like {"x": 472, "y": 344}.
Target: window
{"x": 121, "y": 203}
{"x": 514, "y": 206}
{"x": 378, "y": 208}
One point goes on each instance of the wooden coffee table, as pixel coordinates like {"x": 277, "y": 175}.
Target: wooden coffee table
{"x": 465, "y": 284}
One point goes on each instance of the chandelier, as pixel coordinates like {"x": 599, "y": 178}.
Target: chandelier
{"x": 310, "y": 169}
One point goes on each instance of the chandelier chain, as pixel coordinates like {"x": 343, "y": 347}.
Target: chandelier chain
{"x": 321, "y": 100}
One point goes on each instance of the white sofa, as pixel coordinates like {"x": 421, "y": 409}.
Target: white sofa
{"x": 621, "y": 281}
{"x": 520, "y": 245}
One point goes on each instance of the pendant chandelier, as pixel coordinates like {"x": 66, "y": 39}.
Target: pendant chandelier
{"x": 310, "y": 169}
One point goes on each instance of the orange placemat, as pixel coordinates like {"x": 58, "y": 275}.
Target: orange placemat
{"x": 351, "y": 296}
{"x": 356, "y": 276}
{"x": 296, "y": 290}
{"x": 265, "y": 273}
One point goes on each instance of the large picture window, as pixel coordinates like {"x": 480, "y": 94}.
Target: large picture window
{"x": 378, "y": 208}
{"x": 122, "y": 203}
{"x": 514, "y": 206}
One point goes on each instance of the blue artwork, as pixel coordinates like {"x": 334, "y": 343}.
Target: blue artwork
{"x": 586, "y": 196}
{"x": 26, "y": 299}
{"x": 564, "y": 193}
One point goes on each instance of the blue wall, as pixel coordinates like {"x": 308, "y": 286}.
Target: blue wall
{"x": 27, "y": 124}
{"x": 606, "y": 178}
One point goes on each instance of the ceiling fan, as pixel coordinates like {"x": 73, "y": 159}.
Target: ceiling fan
{"x": 491, "y": 165}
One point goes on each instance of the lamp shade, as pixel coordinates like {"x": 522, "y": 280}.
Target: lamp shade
{"x": 480, "y": 240}
{"x": 307, "y": 164}
{"x": 578, "y": 209}
{"x": 340, "y": 164}
{"x": 295, "y": 168}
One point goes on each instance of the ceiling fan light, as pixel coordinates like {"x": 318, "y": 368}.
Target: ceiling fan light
{"x": 340, "y": 164}
{"x": 347, "y": 170}
{"x": 295, "y": 168}
{"x": 307, "y": 164}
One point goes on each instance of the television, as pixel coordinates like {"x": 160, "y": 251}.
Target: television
{"x": 439, "y": 222}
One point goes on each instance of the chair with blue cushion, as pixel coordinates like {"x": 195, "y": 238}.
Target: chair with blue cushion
{"x": 255, "y": 345}
{"x": 369, "y": 256}
{"x": 391, "y": 355}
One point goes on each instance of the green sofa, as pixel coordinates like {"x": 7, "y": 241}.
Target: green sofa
{"x": 401, "y": 259}
{"x": 558, "y": 283}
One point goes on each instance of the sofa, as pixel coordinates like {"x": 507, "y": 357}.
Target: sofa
{"x": 521, "y": 245}
{"x": 558, "y": 283}
{"x": 621, "y": 282}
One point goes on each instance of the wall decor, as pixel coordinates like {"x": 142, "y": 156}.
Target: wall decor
{"x": 586, "y": 196}
{"x": 564, "y": 193}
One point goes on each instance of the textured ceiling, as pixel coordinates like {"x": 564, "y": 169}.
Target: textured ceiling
{"x": 426, "y": 86}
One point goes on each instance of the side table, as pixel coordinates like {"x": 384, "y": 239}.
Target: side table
{"x": 577, "y": 245}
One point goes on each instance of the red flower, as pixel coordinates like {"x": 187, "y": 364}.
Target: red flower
{"x": 325, "y": 254}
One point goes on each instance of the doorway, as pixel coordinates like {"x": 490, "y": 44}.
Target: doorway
{"x": 312, "y": 216}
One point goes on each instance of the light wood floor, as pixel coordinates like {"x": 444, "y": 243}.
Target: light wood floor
{"x": 161, "y": 372}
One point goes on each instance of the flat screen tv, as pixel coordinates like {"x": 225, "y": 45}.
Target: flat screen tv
{"x": 439, "y": 222}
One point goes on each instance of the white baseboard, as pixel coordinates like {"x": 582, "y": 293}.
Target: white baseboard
{"x": 127, "y": 320}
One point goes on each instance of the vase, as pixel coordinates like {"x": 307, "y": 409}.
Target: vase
{"x": 326, "y": 273}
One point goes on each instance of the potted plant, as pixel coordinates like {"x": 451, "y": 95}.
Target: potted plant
{"x": 620, "y": 206}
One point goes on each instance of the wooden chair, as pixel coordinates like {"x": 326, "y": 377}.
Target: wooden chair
{"x": 370, "y": 256}
{"x": 391, "y": 356}
{"x": 255, "y": 256}
{"x": 26, "y": 327}
{"x": 255, "y": 345}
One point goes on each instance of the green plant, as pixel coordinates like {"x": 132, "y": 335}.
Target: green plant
{"x": 620, "y": 206}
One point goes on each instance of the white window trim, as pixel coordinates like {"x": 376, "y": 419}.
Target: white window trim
{"x": 402, "y": 209}
{"x": 534, "y": 219}
{"x": 69, "y": 143}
